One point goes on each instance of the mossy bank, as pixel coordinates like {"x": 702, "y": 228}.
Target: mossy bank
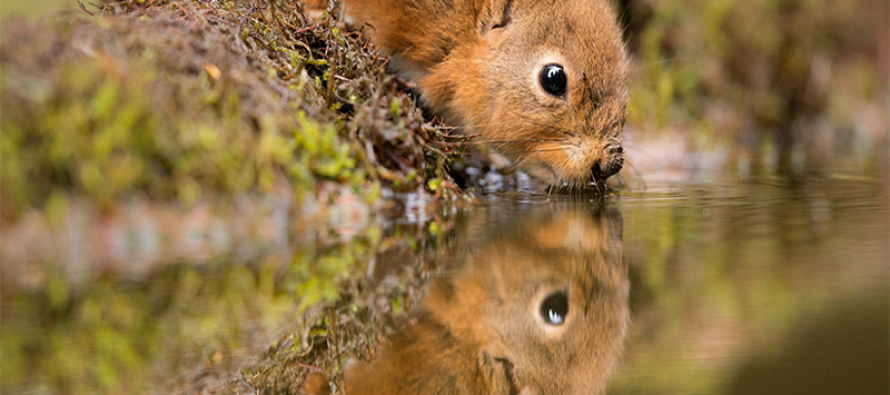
{"x": 183, "y": 101}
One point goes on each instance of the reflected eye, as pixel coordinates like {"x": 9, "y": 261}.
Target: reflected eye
{"x": 555, "y": 308}
{"x": 554, "y": 80}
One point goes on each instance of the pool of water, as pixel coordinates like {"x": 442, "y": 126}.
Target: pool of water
{"x": 731, "y": 286}
{"x": 765, "y": 286}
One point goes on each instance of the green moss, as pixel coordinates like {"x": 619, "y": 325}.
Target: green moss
{"x": 159, "y": 99}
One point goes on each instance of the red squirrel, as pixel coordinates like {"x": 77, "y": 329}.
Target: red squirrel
{"x": 542, "y": 82}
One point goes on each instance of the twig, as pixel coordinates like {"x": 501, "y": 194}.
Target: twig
{"x": 84, "y": 8}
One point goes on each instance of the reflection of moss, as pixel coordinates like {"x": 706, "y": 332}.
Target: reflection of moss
{"x": 184, "y": 100}
{"x": 112, "y": 336}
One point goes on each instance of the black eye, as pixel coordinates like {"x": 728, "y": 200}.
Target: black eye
{"x": 553, "y": 80}
{"x": 555, "y": 308}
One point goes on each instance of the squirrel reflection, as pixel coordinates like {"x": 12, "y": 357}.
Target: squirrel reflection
{"x": 539, "y": 309}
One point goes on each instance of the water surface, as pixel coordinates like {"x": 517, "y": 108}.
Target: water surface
{"x": 758, "y": 286}
{"x": 731, "y": 286}
{"x": 737, "y": 286}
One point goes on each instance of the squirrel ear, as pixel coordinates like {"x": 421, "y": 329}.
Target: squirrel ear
{"x": 506, "y": 16}
{"x": 498, "y": 16}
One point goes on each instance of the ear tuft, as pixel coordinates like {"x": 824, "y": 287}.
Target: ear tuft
{"x": 507, "y": 16}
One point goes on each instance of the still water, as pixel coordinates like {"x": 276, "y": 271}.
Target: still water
{"x": 734, "y": 286}
{"x": 768, "y": 286}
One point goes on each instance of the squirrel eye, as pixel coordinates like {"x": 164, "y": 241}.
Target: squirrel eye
{"x": 555, "y": 308}
{"x": 554, "y": 80}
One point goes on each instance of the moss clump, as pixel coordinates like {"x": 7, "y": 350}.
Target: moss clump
{"x": 184, "y": 100}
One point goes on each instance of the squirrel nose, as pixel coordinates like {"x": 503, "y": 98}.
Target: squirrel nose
{"x": 605, "y": 169}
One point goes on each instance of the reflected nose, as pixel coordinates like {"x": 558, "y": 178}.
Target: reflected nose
{"x": 607, "y": 168}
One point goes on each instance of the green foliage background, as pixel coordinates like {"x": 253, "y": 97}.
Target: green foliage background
{"x": 797, "y": 78}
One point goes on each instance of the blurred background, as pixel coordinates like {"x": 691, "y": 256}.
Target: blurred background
{"x": 769, "y": 85}
{"x": 35, "y": 9}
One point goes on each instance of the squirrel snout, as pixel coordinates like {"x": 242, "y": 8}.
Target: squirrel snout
{"x": 608, "y": 166}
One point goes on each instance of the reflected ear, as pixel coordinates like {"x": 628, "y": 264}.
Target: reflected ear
{"x": 316, "y": 384}
{"x": 496, "y": 375}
